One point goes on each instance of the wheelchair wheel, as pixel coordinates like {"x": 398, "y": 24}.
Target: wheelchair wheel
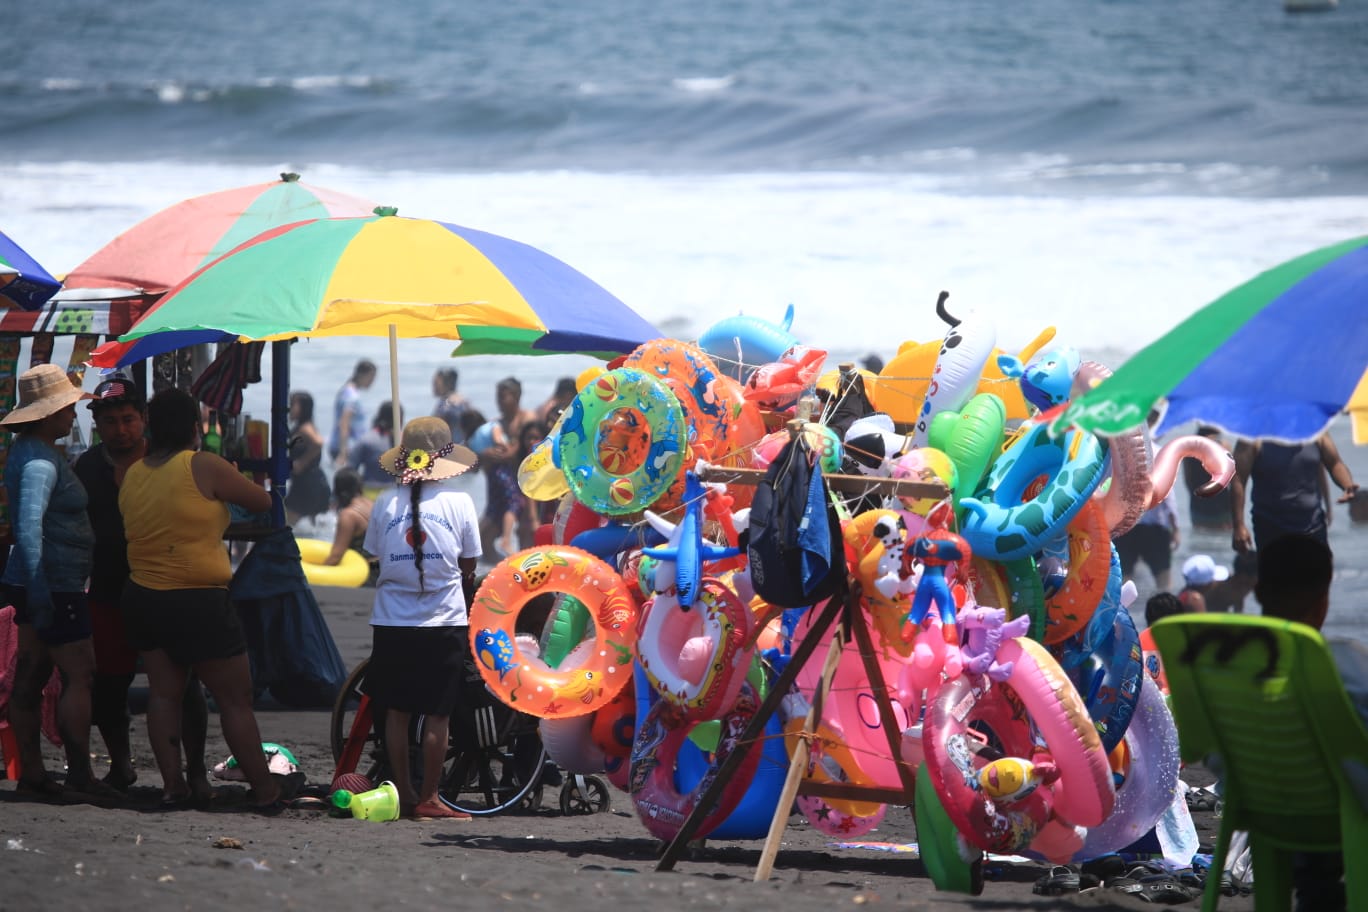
{"x": 370, "y": 753}
{"x": 496, "y": 767}
{"x": 583, "y": 795}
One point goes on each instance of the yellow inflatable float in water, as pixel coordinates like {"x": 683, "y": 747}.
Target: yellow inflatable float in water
{"x": 352, "y": 571}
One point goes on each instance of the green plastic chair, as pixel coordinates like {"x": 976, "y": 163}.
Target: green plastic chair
{"x": 1264, "y": 696}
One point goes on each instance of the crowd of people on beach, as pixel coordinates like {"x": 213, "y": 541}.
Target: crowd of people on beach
{"x": 120, "y": 565}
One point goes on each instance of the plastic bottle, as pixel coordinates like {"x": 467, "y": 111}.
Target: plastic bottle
{"x": 213, "y": 443}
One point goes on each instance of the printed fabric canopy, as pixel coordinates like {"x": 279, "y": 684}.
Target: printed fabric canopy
{"x": 360, "y": 276}
{"x": 1278, "y": 357}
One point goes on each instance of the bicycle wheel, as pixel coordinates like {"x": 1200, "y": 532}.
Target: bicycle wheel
{"x": 495, "y": 767}
{"x": 371, "y": 752}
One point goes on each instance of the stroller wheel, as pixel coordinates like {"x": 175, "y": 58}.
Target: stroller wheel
{"x": 584, "y": 795}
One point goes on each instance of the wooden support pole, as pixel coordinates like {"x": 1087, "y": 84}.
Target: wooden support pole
{"x": 799, "y": 761}
{"x": 752, "y": 734}
{"x": 879, "y": 684}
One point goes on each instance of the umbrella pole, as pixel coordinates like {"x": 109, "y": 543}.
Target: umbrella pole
{"x": 395, "y": 409}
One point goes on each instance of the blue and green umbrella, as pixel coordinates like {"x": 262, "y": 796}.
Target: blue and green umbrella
{"x": 1278, "y": 357}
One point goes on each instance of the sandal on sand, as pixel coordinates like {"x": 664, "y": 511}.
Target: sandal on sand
{"x": 1159, "y": 889}
{"x": 1104, "y": 869}
{"x": 1058, "y": 881}
{"x": 436, "y": 810}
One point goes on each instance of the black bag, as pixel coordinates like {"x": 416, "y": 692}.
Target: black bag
{"x": 794, "y": 543}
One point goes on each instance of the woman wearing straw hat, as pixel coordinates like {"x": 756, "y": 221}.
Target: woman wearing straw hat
{"x": 426, "y": 534}
{"x": 45, "y": 580}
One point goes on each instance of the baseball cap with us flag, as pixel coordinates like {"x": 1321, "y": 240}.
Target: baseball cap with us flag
{"x": 116, "y": 391}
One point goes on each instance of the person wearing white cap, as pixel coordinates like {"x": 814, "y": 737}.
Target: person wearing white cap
{"x": 45, "y": 581}
{"x": 1200, "y": 572}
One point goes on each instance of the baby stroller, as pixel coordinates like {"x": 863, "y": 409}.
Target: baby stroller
{"x": 495, "y": 758}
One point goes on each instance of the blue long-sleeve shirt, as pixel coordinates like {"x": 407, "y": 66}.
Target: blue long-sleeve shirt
{"x": 52, "y": 533}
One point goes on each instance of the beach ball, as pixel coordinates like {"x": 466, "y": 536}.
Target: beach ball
{"x": 606, "y": 387}
{"x": 925, "y": 464}
{"x": 622, "y": 492}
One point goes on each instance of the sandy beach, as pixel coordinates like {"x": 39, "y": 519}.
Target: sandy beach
{"x": 136, "y": 856}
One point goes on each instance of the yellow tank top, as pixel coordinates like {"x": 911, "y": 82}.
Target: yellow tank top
{"x": 175, "y": 533}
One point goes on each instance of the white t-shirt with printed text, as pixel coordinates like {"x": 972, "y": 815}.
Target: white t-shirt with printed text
{"x": 450, "y": 530}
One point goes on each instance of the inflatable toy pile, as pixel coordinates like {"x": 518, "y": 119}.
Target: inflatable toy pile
{"x": 998, "y": 613}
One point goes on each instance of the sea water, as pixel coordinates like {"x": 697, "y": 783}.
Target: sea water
{"x": 1105, "y": 169}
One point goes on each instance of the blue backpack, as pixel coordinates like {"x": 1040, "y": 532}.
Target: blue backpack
{"x": 794, "y": 545}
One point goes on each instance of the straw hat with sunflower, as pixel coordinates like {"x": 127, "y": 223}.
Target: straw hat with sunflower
{"x": 426, "y": 453}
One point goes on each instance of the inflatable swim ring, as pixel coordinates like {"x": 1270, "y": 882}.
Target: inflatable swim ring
{"x": 662, "y": 806}
{"x": 353, "y": 571}
{"x": 526, "y": 682}
{"x": 692, "y": 376}
{"x": 1090, "y": 560}
{"x": 696, "y": 659}
{"x": 1008, "y": 518}
{"x": 1151, "y": 781}
{"x": 952, "y": 757}
{"x": 621, "y": 443}
{"x": 1084, "y": 794}
{"x": 753, "y": 814}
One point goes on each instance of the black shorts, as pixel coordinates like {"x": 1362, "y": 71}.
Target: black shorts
{"x": 1150, "y": 544}
{"x": 418, "y": 669}
{"x": 69, "y": 622}
{"x": 190, "y": 625}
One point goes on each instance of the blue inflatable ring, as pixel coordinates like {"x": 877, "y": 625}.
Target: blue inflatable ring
{"x": 656, "y": 426}
{"x": 1106, "y": 664}
{"x": 1005, "y": 520}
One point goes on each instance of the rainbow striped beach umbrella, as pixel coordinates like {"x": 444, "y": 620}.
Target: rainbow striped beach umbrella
{"x": 1278, "y": 357}
{"x": 166, "y": 248}
{"x": 23, "y": 283}
{"x": 405, "y": 277}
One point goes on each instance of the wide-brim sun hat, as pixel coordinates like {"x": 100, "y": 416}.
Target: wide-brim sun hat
{"x": 43, "y": 390}
{"x": 427, "y": 453}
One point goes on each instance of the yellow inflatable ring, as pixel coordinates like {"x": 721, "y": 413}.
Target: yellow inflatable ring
{"x": 353, "y": 571}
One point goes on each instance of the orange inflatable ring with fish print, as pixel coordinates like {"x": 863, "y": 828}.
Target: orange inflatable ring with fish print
{"x": 1070, "y": 609}
{"x": 524, "y": 681}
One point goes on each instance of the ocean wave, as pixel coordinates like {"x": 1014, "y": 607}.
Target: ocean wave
{"x": 991, "y": 142}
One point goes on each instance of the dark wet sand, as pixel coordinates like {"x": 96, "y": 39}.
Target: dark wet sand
{"x": 57, "y": 857}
